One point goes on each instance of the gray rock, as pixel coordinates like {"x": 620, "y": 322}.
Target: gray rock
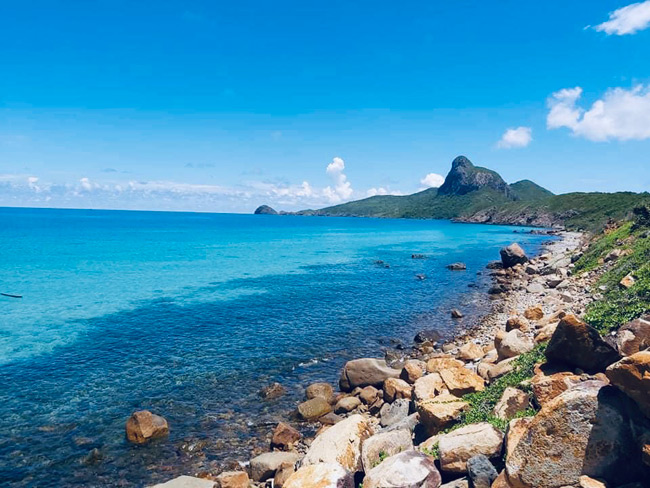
{"x": 392, "y": 413}
{"x": 410, "y": 469}
{"x": 481, "y": 472}
{"x": 264, "y": 466}
{"x": 513, "y": 255}
{"x": 409, "y": 423}
{"x": 366, "y": 372}
{"x": 382, "y": 445}
{"x": 186, "y": 482}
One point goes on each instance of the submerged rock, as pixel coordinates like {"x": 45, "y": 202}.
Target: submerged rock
{"x": 144, "y": 426}
{"x": 457, "y": 266}
{"x": 272, "y": 391}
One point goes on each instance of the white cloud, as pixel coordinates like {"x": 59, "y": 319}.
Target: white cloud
{"x": 372, "y": 192}
{"x": 627, "y": 20}
{"x": 342, "y": 188}
{"x": 432, "y": 180}
{"x": 518, "y": 137}
{"x": 621, "y": 114}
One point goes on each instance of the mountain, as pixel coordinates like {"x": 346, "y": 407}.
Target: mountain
{"x": 475, "y": 194}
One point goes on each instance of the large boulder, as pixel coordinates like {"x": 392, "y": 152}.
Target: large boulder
{"x": 264, "y": 466}
{"x": 366, "y": 372}
{"x": 632, "y": 376}
{"x": 347, "y": 404}
{"x": 513, "y": 344}
{"x": 409, "y": 469}
{"x": 458, "y": 446}
{"x": 547, "y": 387}
{"x": 314, "y": 409}
{"x": 435, "y": 365}
{"x": 284, "y": 437}
{"x": 460, "y": 381}
{"x": 395, "y": 388}
{"x": 341, "y": 444}
{"x": 322, "y": 475}
{"x": 144, "y": 426}
{"x": 382, "y": 445}
{"x": 428, "y": 387}
{"x": 578, "y": 344}
{"x": 322, "y": 390}
{"x": 584, "y": 431}
{"x": 513, "y": 255}
{"x": 440, "y": 412}
{"x": 632, "y": 337}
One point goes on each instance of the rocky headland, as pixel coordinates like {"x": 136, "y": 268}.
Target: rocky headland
{"x": 532, "y": 397}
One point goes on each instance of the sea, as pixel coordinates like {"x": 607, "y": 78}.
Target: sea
{"x": 190, "y": 315}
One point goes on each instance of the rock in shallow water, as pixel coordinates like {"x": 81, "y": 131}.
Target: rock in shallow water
{"x": 144, "y": 426}
{"x": 366, "y": 372}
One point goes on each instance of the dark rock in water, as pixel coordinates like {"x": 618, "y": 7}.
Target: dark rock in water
{"x": 382, "y": 264}
{"x": 418, "y": 256}
{"x": 265, "y": 210}
{"x": 464, "y": 178}
{"x": 497, "y": 289}
{"x": 457, "y": 266}
{"x": 272, "y": 391}
{"x": 421, "y": 277}
{"x": 494, "y": 265}
{"x": 430, "y": 335}
{"x": 481, "y": 472}
{"x": 456, "y": 314}
{"x": 513, "y": 255}
{"x": 93, "y": 457}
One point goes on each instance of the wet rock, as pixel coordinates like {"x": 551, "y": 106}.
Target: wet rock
{"x": 511, "y": 403}
{"x": 93, "y": 457}
{"x": 369, "y": 395}
{"x": 577, "y": 344}
{"x": 380, "y": 446}
{"x": 409, "y": 469}
{"x": 481, "y": 472}
{"x": 233, "y": 479}
{"x": 534, "y": 313}
{"x": 186, "y": 482}
{"x": 413, "y": 370}
{"x": 392, "y": 413}
{"x": 632, "y": 376}
{"x": 284, "y": 437}
{"x": 433, "y": 336}
{"x": 272, "y": 391}
{"x": 456, "y": 314}
{"x": 513, "y": 255}
{"x": 314, "y": 409}
{"x": 457, "y": 266}
{"x": 320, "y": 390}
{"x": 341, "y": 444}
{"x": 458, "y": 446}
{"x": 440, "y": 412}
{"x": 347, "y": 404}
{"x": 322, "y": 475}
{"x": 395, "y": 388}
{"x": 470, "y": 352}
{"x": 264, "y": 466}
{"x": 584, "y": 431}
{"x": 143, "y": 426}
{"x": 517, "y": 323}
{"x": 366, "y": 372}
{"x": 512, "y": 344}
{"x": 632, "y": 337}
{"x": 419, "y": 256}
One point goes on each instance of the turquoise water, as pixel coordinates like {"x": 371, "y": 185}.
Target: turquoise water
{"x": 190, "y": 315}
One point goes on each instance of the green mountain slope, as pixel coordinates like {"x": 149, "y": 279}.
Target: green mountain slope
{"x": 527, "y": 190}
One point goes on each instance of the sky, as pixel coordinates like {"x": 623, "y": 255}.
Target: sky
{"x": 224, "y": 106}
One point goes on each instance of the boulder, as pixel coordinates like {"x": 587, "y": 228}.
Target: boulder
{"x": 272, "y": 391}
{"x": 369, "y": 395}
{"x": 233, "y": 479}
{"x": 460, "y": 381}
{"x": 366, "y": 372}
{"x": 440, "y": 412}
{"x": 284, "y": 437}
{"x": 547, "y": 387}
{"x": 515, "y": 430}
{"x": 409, "y": 469}
{"x": 480, "y": 471}
{"x": 577, "y": 344}
{"x": 501, "y": 368}
{"x": 501, "y": 481}
{"x": 583, "y": 431}
{"x": 320, "y": 390}
{"x": 513, "y": 255}
{"x": 322, "y": 475}
{"x": 395, "y": 388}
{"x": 428, "y": 387}
{"x": 144, "y": 426}
{"x": 264, "y": 466}
{"x": 413, "y": 370}
{"x": 429, "y": 335}
{"x": 534, "y": 313}
{"x": 632, "y": 376}
{"x": 517, "y": 322}
{"x": 511, "y": 403}
{"x": 513, "y": 344}
{"x": 347, "y": 404}
{"x": 380, "y": 446}
{"x": 470, "y": 352}
{"x": 314, "y": 409}
{"x": 632, "y": 337}
{"x": 186, "y": 482}
{"x": 457, "y": 266}
{"x": 628, "y": 281}
{"x": 392, "y": 413}
{"x": 435, "y": 365}
{"x": 458, "y": 446}
{"x": 341, "y": 444}
{"x": 545, "y": 333}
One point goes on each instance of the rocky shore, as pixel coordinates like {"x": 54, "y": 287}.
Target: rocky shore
{"x": 532, "y": 397}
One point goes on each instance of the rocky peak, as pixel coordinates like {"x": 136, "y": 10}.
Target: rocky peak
{"x": 265, "y": 210}
{"x": 464, "y": 178}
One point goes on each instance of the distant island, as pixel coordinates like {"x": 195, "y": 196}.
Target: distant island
{"x": 474, "y": 194}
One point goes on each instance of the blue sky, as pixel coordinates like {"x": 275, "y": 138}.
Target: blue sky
{"x": 221, "y": 106}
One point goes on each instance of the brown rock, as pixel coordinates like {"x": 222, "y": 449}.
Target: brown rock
{"x": 516, "y": 429}
{"x": 369, "y": 395}
{"x": 347, "y": 404}
{"x": 394, "y": 388}
{"x": 513, "y": 344}
{"x": 439, "y": 413}
{"x": 283, "y": 474}
{"x": 545, "y": 333}
{"x": 517, "y": 323}
{"x": 413, "y": 370}
{"x": 320, "y": 390}
{"x": 272, "y": 391}
{"x": 633, "y": 336}
{"x": 534, "y": 313}
{"x": 284, "y": 437}
{"x": 587, "y": 482}
{"x": 501, "y": 481}
{"x": 470, "y": 352}
{"x": 511, "y": 403}
{"x": 461, "y": 381}
{"x": 546, "y": 388}
{"x": 144, "y": 426}
{"x": 233, "y": 479}
{"x": 458, "y": 446}
{"x": 438, "y": 364}
{"x": 429, "y": 387}
{"x": 577, "y": 344}
{"x": 632, "y": 376}
{"x": 628, "y": 281}
{"x": 314, "y": 409}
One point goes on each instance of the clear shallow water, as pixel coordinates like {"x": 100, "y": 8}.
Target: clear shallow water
{"x": 190, "y": 315}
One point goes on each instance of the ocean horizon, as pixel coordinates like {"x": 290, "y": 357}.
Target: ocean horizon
{"x": 191, "y": 314}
